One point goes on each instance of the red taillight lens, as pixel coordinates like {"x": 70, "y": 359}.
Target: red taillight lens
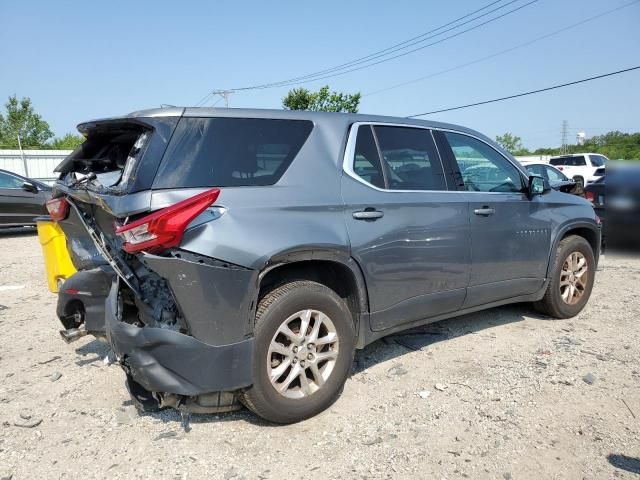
{"x": 58, "y": 208}
{"x": 589, "y": 196}
{"x": 164, "y": 229}
{"x": 560, "y": 168}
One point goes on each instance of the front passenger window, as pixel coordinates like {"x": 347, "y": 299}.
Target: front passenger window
{"x": 483, "y": 169}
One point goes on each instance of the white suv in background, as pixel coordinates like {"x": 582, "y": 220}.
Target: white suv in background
{"x": 584, "y": 168}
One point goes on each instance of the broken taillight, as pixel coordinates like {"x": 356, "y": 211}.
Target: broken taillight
{"x": 58, "y": 208}
{"x": 164, "y": 229}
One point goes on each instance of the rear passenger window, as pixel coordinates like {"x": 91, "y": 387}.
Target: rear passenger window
{"x": 410, "y": 159}
{"x": 228, "y": 152}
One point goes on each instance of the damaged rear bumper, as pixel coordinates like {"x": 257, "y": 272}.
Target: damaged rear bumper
{"x": 163, "y": 360}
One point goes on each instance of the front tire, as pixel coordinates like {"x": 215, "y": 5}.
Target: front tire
{"x": 304, "y": 347}
{"x": 572, "y": 276}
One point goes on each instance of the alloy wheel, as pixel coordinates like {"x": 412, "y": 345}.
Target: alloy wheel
{"x": 302, "y": 354}
{"x": 573, "y": 278}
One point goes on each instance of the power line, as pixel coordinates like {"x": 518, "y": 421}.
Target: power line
{"x": 224, "y": 95}
{"x": 216, "y": 102}
{"x": 412, "y": 39}
{"x": 502, "y": 52}
{"x": 509, "y": 97}
{"x": 204, "y": 99}
{"x": 345, "y": 68}
{"x": 394, "y": 48}
{"x": 403, "y": 54}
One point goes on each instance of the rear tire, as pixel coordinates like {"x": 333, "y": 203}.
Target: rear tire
{"x": 571, "y": 279}
{"x": 304, "y": 348}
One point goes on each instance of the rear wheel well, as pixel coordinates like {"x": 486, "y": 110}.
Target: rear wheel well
{"x": 333, "y": 275}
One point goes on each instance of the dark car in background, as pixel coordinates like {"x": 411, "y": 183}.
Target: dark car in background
{"x": 616, "y": 199}
{"x": 21, "y": 200}
{"x": 255, "y": 250}
{"x": 596, "y": 193}
{"x": 557, "y": 180}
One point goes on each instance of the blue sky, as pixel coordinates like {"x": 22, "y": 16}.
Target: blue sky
{"x": 82, "y": 60}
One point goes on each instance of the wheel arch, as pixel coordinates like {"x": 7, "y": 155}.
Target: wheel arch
{"x": 587, "y": 230}
{"x": 335, "y": 270}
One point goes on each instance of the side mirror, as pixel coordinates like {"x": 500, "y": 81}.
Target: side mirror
{"x": 29, "y": 187}
{"x": 537, "y": 186}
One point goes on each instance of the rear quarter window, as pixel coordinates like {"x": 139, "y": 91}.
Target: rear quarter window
{"x": 227, "y": 152}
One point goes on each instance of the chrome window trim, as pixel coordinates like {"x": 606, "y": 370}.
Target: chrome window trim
{"x": 347, "y": 164}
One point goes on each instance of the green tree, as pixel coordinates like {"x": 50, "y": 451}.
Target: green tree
{"x": 20, "y": 119}
{"x": 69, "y": 142}
{"x": 512, "y": 144}
{"x": 614, "y": 145}
{"x": 323, "y": 100}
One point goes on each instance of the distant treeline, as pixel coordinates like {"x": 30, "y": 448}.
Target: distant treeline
{"x": 614, "y": 145}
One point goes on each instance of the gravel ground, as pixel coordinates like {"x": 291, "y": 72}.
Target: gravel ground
{"x": 503, "y": 394}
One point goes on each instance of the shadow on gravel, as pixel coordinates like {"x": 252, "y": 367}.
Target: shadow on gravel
{"x": 418, "y": 338}
{"x": 97, "y": 348}
{"x": 629, "y": 464}
{"x": 18, "y": 232}
{"x": 172, "y": 417}
{"x": 379, "y": 351}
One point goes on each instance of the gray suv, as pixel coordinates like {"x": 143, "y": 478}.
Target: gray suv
{"x": 255, "y": 250}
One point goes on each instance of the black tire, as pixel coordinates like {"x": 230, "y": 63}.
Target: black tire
{"x": 142, "y": 399}
{"x": 273, "y": 309}
{"x": 552, "y": 303}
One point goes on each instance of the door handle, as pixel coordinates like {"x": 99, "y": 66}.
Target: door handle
{"x": 368, "y": 214}
{"x": 484, "y": 211}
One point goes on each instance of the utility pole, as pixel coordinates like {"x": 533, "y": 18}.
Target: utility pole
{"x": 224, "y": 94}
{"x": 565, "y": 137}
{"x": 24, "y": 160}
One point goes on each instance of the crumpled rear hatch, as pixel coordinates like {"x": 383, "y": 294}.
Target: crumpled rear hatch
{"x": 108, "y": 179}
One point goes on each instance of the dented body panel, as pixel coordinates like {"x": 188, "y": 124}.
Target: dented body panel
{"x": 216, "y": 298}
{"x": 162, "y": 360}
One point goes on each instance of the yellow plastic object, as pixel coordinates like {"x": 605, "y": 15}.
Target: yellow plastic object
{"x": 56, "y": 256}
